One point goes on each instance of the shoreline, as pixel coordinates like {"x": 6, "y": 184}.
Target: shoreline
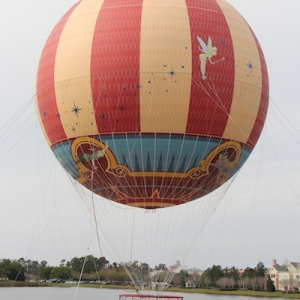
{"x": 240, "y": 292}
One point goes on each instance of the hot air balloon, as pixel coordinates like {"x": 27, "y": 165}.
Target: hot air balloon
{"x": 152, "y": 104}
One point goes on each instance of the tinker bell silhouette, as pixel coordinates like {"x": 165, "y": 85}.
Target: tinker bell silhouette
{"x": 208, "y": 52}
{"x": 95, "y": 155}
{"x": 224, "y": 165}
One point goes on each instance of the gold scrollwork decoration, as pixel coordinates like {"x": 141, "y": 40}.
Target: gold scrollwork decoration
{"x": 224, "y": 166}
{"x": 119, "y": 170}
{"x": 88, "y": 173}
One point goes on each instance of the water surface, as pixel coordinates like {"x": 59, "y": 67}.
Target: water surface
{"x": 72, "y": 293}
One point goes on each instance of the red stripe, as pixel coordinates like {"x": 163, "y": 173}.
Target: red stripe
{"x": 115, "y": 66}
{"x": 264, "y": 101}
{"x": 46, "y": 99}
{"x": 210, "y": 98}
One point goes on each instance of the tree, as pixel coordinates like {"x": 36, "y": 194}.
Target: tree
{"x": 90, "y": 263}
{"x": 98, "y": 263}
{"x": 62, "y": 263}
{"x": 135, "y": 264}
{"x": 22, "y": 261}
{"x": 284, "y": 283}
{"x": 249, "y": 272}
{"x": 76, "y": 263}
{"x": 13, "y": 270}
{"x": 224, "y": 282}
{"x": 160, "y": 267}
{"x": 61, "y": 272}
{"x": 212, "y": 275}
{"x": 233, "y": 275}
{"x": 161, "y": 275}
{"x": 255, "y": 278}
{"x": 43, "y": 263}
{"x": 144, "y": 266}
{"x": 116, "y": 275}
{"x": 270, "y": 285}
{"x": 260, "y": 270}
{"x": 194, "y": 278}
{"x": 45, "y": 272}
{"x": 261, "y": 283}
{"x": 33, "y": 267}
{"x": 183, "y": 276}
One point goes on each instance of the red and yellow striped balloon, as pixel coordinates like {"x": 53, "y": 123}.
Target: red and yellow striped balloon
{"x": 152, "y": 103}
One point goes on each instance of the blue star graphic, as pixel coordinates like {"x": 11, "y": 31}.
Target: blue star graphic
{"x": 223, "y": 42}
{"x": 172, "y": 73}
{"x": 76, "y": 110}
{"x": 250, "y": 66}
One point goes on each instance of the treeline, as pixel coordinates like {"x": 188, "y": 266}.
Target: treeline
{"x": 249, "y": 278}
{"x": 93, "y": 269}
{"x": 90, "y": 266}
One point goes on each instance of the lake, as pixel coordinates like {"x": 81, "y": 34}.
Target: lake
{"x": 72, "y": 293}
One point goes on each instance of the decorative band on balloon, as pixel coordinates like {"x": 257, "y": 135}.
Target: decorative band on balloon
{"x": 93, "y": 156}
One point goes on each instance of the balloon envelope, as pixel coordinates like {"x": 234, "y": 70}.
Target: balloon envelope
{"x": 152, "y": 103}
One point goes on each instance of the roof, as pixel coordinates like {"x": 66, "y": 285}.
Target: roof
{"x": 295, "y": 264}
{"x": 288, "y": 267}
{"x": 279, "y": 268}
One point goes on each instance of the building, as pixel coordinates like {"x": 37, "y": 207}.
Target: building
{"x": 193, "y": 273}
{"x": 285, "y": 277}
{"x": 177, "y": 267}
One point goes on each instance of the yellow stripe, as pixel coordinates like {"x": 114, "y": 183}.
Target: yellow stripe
{"x": 248, "y": 81}
{"x": 165, "y": 66}
{"x": 72, "y": 70}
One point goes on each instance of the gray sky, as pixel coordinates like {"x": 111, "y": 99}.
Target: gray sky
{"x": 43, "y": 216}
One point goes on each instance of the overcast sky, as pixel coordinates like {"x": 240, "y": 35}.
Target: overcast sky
{"x": 43, "y": 216}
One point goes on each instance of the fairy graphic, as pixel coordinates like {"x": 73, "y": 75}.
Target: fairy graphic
{"x": 208, "y": 52}
{"x": 93, "y": 156}
{"x": 224, "y": 165}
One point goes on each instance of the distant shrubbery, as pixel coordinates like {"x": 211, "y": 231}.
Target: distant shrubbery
{"x": 232, "y": 278}
{"x": 92, "y": 269}
{"x": 11, "y": 270}
{"x": 270, "y": 287}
